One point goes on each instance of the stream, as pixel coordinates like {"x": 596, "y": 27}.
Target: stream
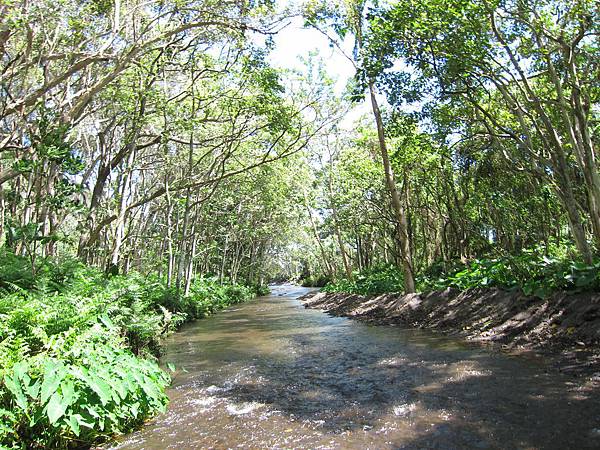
{"x": 272, "y": 374}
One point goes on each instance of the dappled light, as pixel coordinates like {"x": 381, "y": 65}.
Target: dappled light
{"x": 299, "y": 224}
{"x": 283, "y": 376}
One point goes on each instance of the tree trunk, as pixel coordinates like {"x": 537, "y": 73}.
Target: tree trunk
{"x": 402, "y": 222}
{"x": 328, "y": 266}
{"x": 336, "y": 225}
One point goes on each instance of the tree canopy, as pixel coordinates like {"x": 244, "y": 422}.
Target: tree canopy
{"x": 157, "y": 165}
{"x": 125, "y": 123}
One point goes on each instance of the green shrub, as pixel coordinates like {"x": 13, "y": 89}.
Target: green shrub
{"x": 15, "y": 272}
{"x": 236, "y": 293}
{"x": 82, "y": 388}
{"x": 531, "y": 271}
{"x": 260, "y": 290}
{"x": 77, "y": 349}
{"x": 534, "y": 273}
{"x": 315, "y": 281}
{"x": 372, "y": 281}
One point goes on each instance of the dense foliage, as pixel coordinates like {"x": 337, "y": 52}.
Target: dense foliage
{"x": 372, "y": 281}
{"x": 148, "y": 138}
{"x": 77, "y": 348}
{"x": 531, "y": 271}
{"x": 153, "y": 162}
{"x": 485, "y": 146}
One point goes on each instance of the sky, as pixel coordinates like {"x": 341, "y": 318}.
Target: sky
{"x": 294, "y": 42}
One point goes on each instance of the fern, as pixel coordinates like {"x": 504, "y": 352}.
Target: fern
{"x": 101, "y": 335}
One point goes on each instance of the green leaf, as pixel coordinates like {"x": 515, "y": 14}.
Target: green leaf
{"x": 49, "y": 386}
{"x": 53, "y": 375}
{"x": 33, "y": 390}
{"x": 20, "y": 370}
{"x": 74, "y": 425}
{"x": 582, "y": 266}
{"x": 14, "y": 386}
{"x": 56, "y": 407}
{"x": 68, "y": 391}
{"x": 119, "y": 390}
{"x": 134, "y": 408}
{"x": 542, "y": 291}
{"x": 81, "y": 421}
{"x": 585, "y": 280}
{"x": 92, "y": 411}
{"x": 106, "y": 321}
{"x": 101, "y": 388}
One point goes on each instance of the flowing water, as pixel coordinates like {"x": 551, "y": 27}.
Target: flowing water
{"x": 271, "y": 374}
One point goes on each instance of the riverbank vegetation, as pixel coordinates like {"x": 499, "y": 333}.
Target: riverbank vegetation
{"x": 78, "y": 348}
{"x": 155, "y": 167}
{"x": 532, "y": 273}
{"x": 482, "y": 168}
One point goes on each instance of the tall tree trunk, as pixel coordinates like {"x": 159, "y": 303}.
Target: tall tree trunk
{"x": 328, "y": 266}
{"x": 183, "y": 253}
{"x": 400, "y": 215}
{"x": 566, "y": 194}
{"x": 120, "y": 222}
{"x": 190, "y": 267}
{"x": 169, "y": 235}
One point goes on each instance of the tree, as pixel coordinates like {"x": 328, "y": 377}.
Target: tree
{"x": 349, "y": 17}
{"x": 524, "y": 71}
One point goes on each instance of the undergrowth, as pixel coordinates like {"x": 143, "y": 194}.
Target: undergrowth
{"x": 531, "y": 271}
{"x": 78, "y": 349}
{"x": 372, "y": 281}
{"x": 314, "y": 281}
{"x": 535, "y": 274}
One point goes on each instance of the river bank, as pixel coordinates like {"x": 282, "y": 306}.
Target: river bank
{"x": 564, "y": 327}
{"x": 270, "y": 373}
{"x": 78, "y": 348}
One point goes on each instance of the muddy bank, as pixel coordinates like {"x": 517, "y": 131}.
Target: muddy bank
{"x": 563, "y": 327}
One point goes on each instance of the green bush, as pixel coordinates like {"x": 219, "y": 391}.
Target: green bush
{"x": 82, "y": 388}
{"x": 260, "y": 290}
{"x": 372, "y": 281}
{"x": 531, "y": 271}
{"x": 78, "y": 349}
{"x": 315, "y": 281}
{"x": 15, "y": 272}
{"x": 534, "y": 273}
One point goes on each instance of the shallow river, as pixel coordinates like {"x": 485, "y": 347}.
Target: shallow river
{"x": 271, "y": 374}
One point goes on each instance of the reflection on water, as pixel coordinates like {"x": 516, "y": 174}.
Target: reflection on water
{"x": 270, "y": 374}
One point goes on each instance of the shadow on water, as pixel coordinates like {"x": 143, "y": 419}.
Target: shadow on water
{"x": 270, "y": 374}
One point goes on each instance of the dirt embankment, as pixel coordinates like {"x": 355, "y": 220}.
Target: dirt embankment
{"x": 566, "y": 327}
